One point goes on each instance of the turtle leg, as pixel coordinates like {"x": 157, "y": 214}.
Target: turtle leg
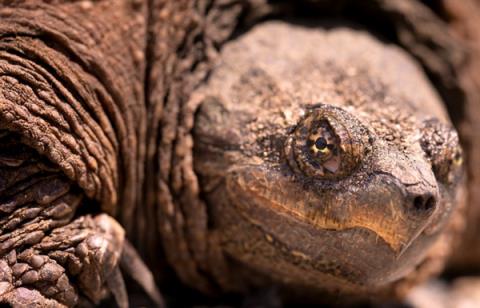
{"x": 77, "y": 262}
{"x": 82, "y": 261}
{"x": 50, "y": 253}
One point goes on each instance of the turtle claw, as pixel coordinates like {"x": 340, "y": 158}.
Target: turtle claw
{"x": 80, "y": 263}
{"x": 116, "y": 285}
{"x": 131, "y": 263}
{"x": 47, "y": 256}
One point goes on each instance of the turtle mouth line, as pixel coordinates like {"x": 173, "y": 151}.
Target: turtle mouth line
{"x": 382, "y": 217}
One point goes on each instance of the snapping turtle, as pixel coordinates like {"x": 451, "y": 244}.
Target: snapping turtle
{"x": 308, "y": 155}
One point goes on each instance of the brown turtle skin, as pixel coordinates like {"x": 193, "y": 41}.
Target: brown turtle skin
{"x": 132, "y": 111}
{"x": 354, "y": 221}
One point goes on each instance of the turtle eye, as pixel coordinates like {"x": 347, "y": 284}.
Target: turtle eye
{"x": 441, "y": 146}
{"x": 322, "y": 147}
{"x": 324, "y": 144}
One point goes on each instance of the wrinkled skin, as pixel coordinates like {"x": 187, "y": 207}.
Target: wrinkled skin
{"x": 42, "y": 247}
{"x": 102, "y": 110}
{"x": 69, "y": 149}
{"x": 357, "y": 217}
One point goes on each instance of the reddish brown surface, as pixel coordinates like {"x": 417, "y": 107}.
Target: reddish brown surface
{"x": 100, "y": 93}
{"x": 71, "y": 93}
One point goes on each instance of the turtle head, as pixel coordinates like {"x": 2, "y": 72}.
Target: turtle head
{"x": 334, "y": 182}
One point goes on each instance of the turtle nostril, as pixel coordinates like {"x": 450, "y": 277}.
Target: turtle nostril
{"x": 424, "y": 203}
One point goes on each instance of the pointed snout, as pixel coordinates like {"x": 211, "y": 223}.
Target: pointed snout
{"x": 412, "y": 195}
{"x": 415, "y": 178}
{"x": 422, "y": 199}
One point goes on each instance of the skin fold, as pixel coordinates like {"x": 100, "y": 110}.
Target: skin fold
{"x": 313, "y": 157}
{"x": 70, "y": 156}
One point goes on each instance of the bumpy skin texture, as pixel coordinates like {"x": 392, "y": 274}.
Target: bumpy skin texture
{"x": 71, "y": 117}
{"x": 43, "y": 246}
{"x": 174, "y": 201}
{"x": 181, "y": 50}
{"x": 356, "y": 220}
{"x": 102, "y": 95}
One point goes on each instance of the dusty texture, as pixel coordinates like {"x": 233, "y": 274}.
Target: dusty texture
{"x": 181, "y": 52}
{"x": 102, "y": 97}
{"x": 172, "y": 202}
{"x": 352, "y": 221}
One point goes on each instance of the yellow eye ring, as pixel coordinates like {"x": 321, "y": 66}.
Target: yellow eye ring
{"x": 320, "y": 145}
{"x": 327, "y": 143}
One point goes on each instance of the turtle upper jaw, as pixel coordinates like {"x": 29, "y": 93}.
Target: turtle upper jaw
{"x": 396, "y": 211}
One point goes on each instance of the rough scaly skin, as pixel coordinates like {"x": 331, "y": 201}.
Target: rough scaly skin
{"x": 174, "y": 203}
{"x": 72, "y": 91}
{"x": 72, "y": 86}
{"x": 356, "y": 222}
{"x": 71, "y": 117}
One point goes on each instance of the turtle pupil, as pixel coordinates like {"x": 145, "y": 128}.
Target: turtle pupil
{"x": 321, "y": 143}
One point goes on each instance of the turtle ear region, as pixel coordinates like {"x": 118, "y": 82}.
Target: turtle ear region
{"x": 327, "y": 143}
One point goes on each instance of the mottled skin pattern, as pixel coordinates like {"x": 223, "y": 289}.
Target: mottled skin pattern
{"x": 321, "y": 162}
{"x": 355, "y": 220}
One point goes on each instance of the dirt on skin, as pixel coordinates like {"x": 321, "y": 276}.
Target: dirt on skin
{"x": 96, "y": 120}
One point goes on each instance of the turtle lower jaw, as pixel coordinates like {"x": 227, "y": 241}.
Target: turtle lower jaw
{"x": 295, "y": 254}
